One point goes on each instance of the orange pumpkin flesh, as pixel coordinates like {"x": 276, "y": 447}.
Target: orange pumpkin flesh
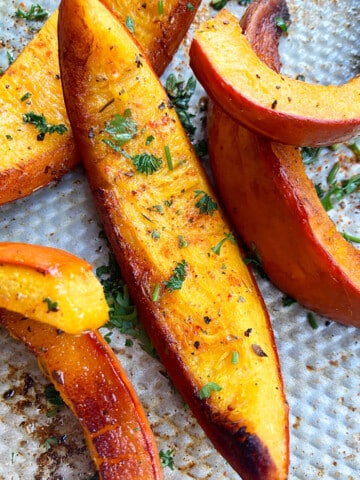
{"x": 52, "y": 286}
{"x": 274, "y": 205}
{"x": 27, "y": 163}
{"x": 194, "y": 328}
{"x": 92, "y": 383}
{"x": 280, "y": 108}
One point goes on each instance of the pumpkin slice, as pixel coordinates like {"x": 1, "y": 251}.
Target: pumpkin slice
{"x": 86, "y": 372}
{"x": 193, "y": 292}
{"x": 283, "y": 109}
{"x": 37, "y": 145}
{"x": 275, "y": 207}
{"x": 52, "y": 286}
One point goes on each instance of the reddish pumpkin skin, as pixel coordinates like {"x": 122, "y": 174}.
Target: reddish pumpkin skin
{"x": 273, "y": 205}
{"x": 86, "y": 372}
{"x": 273, "y": 105}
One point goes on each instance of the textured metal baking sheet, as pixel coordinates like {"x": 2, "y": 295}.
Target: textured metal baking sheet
{"x": 320, "y": 367}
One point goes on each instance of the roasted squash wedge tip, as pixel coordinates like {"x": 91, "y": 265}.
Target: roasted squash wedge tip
{"x": 86, "y": 372}
{"x": 321, "y": 269}
{"x": 270, "y": 104}
{"x": 37, "y": 145}
{"x": 51, "y": 286}
{"x": 196, "y": 297}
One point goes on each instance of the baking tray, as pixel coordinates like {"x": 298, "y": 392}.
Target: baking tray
{"x": 320, "y": 366}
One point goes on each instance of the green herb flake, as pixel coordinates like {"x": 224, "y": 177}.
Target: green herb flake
{"x": 166, "y": 459}
{"x": 122, "y": 311}
{"x": 177, "y": 279}
{"x": 312, "y": 320}
{"x": 149, "y": 140}
{"x": 54, "y": 399}
{"x": 122, "y": 128}
{"x": 146, "y": 163}
{"x": 255, "y": 258}
{"x": 287, "y": 301}
{"x": 206, "y": 390}
{"x": 350, "y": 238}
{"x": 52, "y": 306}
{"x": 160, "y": 7}
{"x": 50, "y": 441}
{"x": 280, "y": 23}
{"x": 130, "y": 24}
{"x": 129, "y": 342}
{"x": 190, "y": 6}
{"x": 42, "y": 126}
{"x": 155, "y": 235}
{"x": 228, "y": 236}
{"x": 25, "y": 96}
{"x": 310, "y": 155}
{"x": 10, "y": 58}
{"x": 180, "y": 93}
{"x": 337, "y": 189}
{"x": 218, "y": 4}
{"x": 355, "y": 147}
{"x": 156, "y": 293}
{"x": 182, "y": 242}
{"x": 36, "y": 12}
{"x": 235, "y": 358}
{"x": 205, "y": 204}
{"x": 8, "y": 137}
{"x": 168, "y": 157}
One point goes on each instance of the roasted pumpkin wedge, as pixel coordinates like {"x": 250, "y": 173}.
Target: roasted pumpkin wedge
{"x": 51, "y": 285}
{"x": 194, "y": 294}
{"x": 275, "y": 207}
{"x": 37, "y": 146}
{"x": 36, "y": 142}
{"x": 93, "y": 384}
{"x": 283, "y": 109}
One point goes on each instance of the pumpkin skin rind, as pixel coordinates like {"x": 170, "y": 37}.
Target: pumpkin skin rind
{"x": 270, "y": 104}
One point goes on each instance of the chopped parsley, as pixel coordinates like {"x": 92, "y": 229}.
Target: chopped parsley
{"x": 156, "y": 293}
{"x": 337, "y": 189}
{"x": 52, "y": 306}
{"x": 310, "y": 155}
{"x": 218, "y": 4}
{"x": 36, "y": 12}
{"x": 122, "y": 311}
{"x": 149, "y": 140}
{"x": 130, "y": 24}
{"x": 180, "y": 94}
{"x": 312, "y": 321}
{"x": 10, "y": 58}
{"x": 177, "y": 279}
{"x": 25, "y": 96}
{"x": 350, "y": 238}
{"x": 122, "y": 128}
{"x": 50, "y": 441}
{"x": 205, "y": 204}
{"x": 280, "y": 23}
{"x": 235, "y": 358}
{"x": 168, "y": 157}
{"x": 228, "y": 236}
{"x": 160, "y": 7}
{"x": 166, "y": 459}
{"x": 182, "y": 242}
{"x": 146, "y": 163}
{"x": 54, "y": 399}
{"x": 255, "y": 258}
{"x": 42, "y": 126}
{"x": 206, "y": 390}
